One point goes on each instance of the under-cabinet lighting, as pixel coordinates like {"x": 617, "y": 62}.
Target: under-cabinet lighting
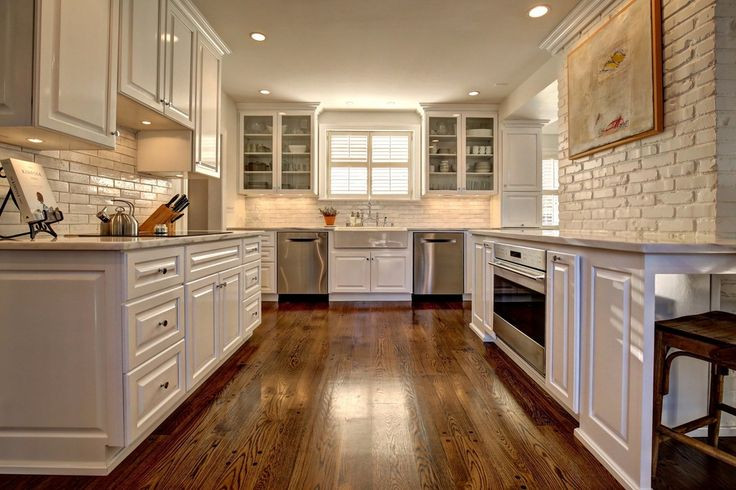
{"x": 34, "y": 140}
{"x": 146, "y": 123}
{"x": 258, "y": 36}
{"x": 264, "y": 91}
{"x": 538, "y": 11}
{"x": 473, "y": 93}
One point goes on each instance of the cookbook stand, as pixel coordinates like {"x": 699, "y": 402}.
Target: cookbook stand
{"x": 35, "y": 227}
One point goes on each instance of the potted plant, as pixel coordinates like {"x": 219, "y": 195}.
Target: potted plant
{"x": 329, "y": 214}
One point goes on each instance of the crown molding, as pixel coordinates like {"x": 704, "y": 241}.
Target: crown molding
{"x": 204, "y": 27}
{"x": 278, "y": 106}
{"x": 524, "y": 123}
{"x": 579, "y": 17}
{"x": 480, "y": 107}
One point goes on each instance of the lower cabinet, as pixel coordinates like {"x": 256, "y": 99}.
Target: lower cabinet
{"x": 563, "y": 329}
{"x": 478, "y": 304}
{"x": 213, "y": 321}
{"x": 367, "y": 271}
{"x": 487, "y": 286}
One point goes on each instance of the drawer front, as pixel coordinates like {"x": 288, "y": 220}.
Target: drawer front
{"x": 268, "y": 239}
{"x": 252, "y": 313}
{"x": 152, "y": 389}
{"x": 268, "y": 254}
{"x": 152, "y": 324}
{"x": 252, "y": 282}
{"x": 210, "y": 258}
{"x": 251, "y": 249}
{"x": 268, "y": 278}
{"x": 149, "y": 271}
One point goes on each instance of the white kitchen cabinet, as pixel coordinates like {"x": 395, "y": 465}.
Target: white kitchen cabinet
{"x": 59, "y": 73}
{"x": 277, "y": 149}
{"x": 142, "y": 51}
{"x": 268, "y": 263}
{"x": 350, "y": 272}
{"x": 478, "y": 304}
{"x": 181, "y": 44}
{"x": 562, "y": 377}
{"x": 522, "y": 159}
{"x": 521, "y": 209}
{"x": 488, "y": 286}
{"x": 207, "y": 126}
{"x": 391, "y": 272}
{"x": 232, "y": 284}
{"x": 459, "y": 152}
{"x": 202, "y": 333}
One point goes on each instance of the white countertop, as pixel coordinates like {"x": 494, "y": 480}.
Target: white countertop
{"x": 358, "y": 228}
{"x": 649, "y": 244}
{"x": 45, "y": 242}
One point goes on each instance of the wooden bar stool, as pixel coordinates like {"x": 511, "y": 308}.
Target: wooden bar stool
{"x": 710, "y": 337}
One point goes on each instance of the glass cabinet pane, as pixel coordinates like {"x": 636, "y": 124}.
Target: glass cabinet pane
{"x": 479, "y": 157}
{"x": 296, "y": 152}
{"x": 443, "y": 153}
{"x": 258, "y": 152}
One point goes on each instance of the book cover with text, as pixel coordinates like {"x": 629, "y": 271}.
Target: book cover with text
{"x": 30, "y": 187}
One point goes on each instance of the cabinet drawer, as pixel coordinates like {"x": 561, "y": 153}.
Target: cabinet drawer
{"x": 251, "y": 249}
{"x": 252, "y": 281}
{"x": 268, "y": 239}
{"x": 149, "y": 271}
{"x": 152, "y": 324}
{"x": 268, "y": 254}
{"x": 210, "y": 258}
{"x": 152, "y": 389}
{"x": 252, "y": 313}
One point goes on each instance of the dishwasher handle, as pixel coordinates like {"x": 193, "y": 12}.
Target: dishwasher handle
{"x": 438, "y": 240}
{"x": 302, "y": 239}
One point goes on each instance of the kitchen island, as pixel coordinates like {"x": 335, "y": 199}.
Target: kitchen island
{"x": 603, "y": 295}
{"x": 103, "y": 337}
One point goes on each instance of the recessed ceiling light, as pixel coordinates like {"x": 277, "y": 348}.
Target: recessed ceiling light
{"x": 34, "y": 140}
{"x": 146, "y": 123}
{"x": 473, "y": 93}
{"x": 258, "y": 36}
{"x": 538, "y": 11}
{"x": 264, "y": 91}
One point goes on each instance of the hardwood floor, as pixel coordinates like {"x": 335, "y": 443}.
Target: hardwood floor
{"x": 365, "y": 395}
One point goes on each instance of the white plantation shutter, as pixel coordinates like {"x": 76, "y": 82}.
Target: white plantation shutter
{"x": 550, "y": 197}
{"x": 549, "y": 175}
{"x": 376, "y": 163}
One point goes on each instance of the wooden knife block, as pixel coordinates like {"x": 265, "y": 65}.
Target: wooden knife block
{"x": 162, "y": 216}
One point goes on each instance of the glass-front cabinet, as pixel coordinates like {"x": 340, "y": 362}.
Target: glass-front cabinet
{"x": 276, "y": 152}
{"x": 460, "y": 153}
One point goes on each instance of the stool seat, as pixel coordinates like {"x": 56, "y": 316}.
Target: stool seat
{"x": 714, "y": 327}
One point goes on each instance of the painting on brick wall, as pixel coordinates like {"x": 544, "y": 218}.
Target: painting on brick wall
{"x": 614, "y": 85}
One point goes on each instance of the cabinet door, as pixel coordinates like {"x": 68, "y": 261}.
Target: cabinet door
{"x": 443, "y": 153}
{"x": 390, "y": 272}
{"x": 181, "y": 42}
{"x": 268, "y": 278}
{"x": 231, "y": 321}
{"x": 295, "y": 157}
{"x": 478, "y": 306}
{"x": 77, "y": 68}
{"x": 201, "y": 334}
{"x": 477, "y": 150}
{"x": 521, "y": 209}
{"x": 16, "y": 63}
{"x": 351, "y": 272}
{"x": 258, "y": 151}
{"x": 207, "y": 130}
{"x": 142, "y": 34}
{"x": 563, "y": 329}
{"x": 488, "y": 286}
{"x": 522, "y": 159}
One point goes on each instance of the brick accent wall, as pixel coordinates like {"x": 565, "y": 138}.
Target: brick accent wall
{"x": 442, "y": 212}
{"x": 678, "y": 183}
{"x": 84, "y": 181}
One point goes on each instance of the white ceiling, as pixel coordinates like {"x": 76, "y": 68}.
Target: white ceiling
{"x": 374, "y": 52}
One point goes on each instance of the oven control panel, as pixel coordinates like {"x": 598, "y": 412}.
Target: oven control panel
{"x": 535, "y": 258}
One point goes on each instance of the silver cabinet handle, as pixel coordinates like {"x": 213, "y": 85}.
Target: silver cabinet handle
{"x": 165, "y": 385}
{"x": 163, "y": 323}
{"x": 251, "y": 250}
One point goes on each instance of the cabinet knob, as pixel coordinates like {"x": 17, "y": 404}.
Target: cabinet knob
{"x": 115, "y": 133}
{"x": 162, "y": 100}
{"x": 254, "y": 279}
{"x": 255, "y": 313}
{"x": 165, "y": 385}
{"x": 556, "y": 258}
{"x": 367, "y": 258}
{"x": 163, "y": 270}
{"x": 163, "y": 323}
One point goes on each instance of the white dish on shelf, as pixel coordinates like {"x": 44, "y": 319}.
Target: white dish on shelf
{"x": 297, "y": 148}
{"x": 480, "y": 132}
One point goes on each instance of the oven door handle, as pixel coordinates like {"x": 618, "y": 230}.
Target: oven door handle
{"x": 536, "y": 277}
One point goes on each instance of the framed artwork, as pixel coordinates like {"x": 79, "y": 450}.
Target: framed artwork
{"x": 614, "y": 81}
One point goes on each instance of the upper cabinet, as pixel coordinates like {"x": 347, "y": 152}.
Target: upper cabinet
{"x": 66, "y": 99}
{"x": 522, "y": 157}
{"x": 460, "y": 152}
{"x": 277, "y": 151}
{"x": 179, "y": 80}
{"x": 207, "y": 128}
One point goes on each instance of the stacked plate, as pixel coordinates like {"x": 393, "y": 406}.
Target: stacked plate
{"x": 487, "y": 133}
{"x": 444, "y": 166}
{"x": 483, "y": 167}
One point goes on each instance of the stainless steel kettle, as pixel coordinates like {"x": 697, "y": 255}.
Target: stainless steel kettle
{"x": 122, "y": 223}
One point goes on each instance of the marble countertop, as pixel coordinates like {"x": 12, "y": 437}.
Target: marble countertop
{"x": 72, "y": 242}
{"x": 648, "y": 244}
{"x": 332, "y": 228}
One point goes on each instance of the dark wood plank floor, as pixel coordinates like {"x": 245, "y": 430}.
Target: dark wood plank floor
{"x": 368, "y": 396}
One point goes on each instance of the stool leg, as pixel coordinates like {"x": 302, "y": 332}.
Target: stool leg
{"x": 660, "y": 352}
{"x": 714, "y": 399}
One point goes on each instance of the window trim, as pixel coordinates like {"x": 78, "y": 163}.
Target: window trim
{"x": 414, "y": 131}
{"x": 550, "y": 192}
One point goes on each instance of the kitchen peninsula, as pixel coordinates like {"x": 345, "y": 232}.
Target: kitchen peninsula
{"x": 604, "y": 294}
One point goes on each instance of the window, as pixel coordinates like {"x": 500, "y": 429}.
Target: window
{"x": 369, "y": 164}
{"x": 550, "y": 198}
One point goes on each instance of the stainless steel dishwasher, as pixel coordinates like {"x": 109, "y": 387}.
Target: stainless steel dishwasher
{"x": 302, "y": 262}
{"x": 438, "y": 263}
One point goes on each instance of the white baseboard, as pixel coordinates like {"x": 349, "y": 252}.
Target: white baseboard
{"x": 370, "y": 296}
{"x": 482, "y": 333}
{"x": 269, "y": 297}
{"x": 612, "y": 467}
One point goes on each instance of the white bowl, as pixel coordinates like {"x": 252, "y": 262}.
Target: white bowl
{"x": 297, "y": 148}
